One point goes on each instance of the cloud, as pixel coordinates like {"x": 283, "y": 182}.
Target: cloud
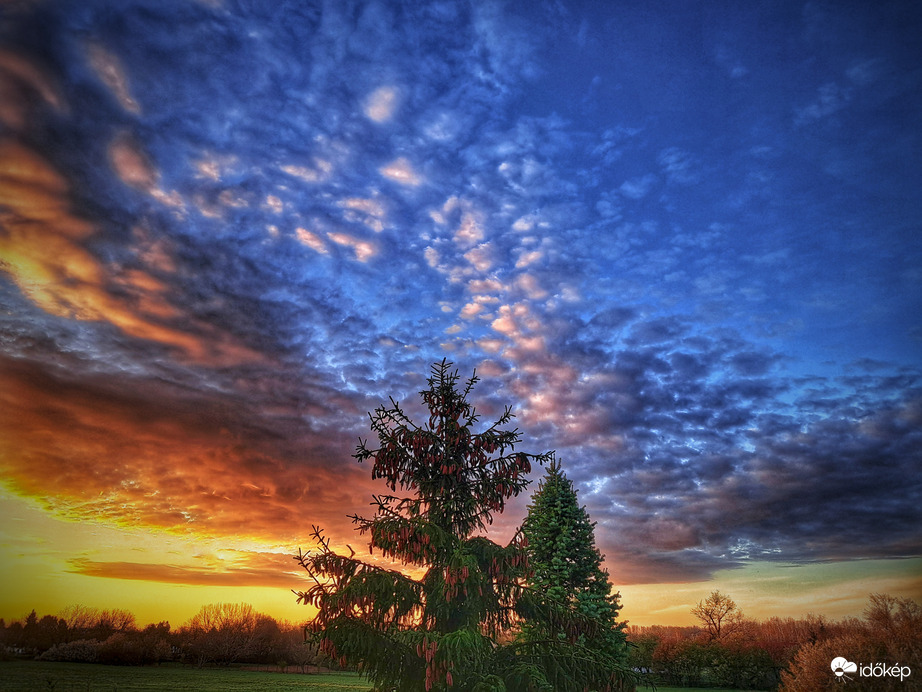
{"x": 370, "y": 212}
{"x": 480, "y": 257}
{"x": 696, "y": 451}
{"x": 401, "y": 171}
{"x": 382, "y": 103}
{"x": 131, "y": 164}
{"x": 262, "y": 570}
{"x": 830, "y": 98}
{"x": 670, "y": 440}
{"x": 111, "y": 72}
{"x": 470, "y": 229}
{"x": 208, "y": 292}
{"x": 638, "y": 188}
{"x": 679, "y": 166}
{"x": 364, "y": 249}
{"x": 318, "y": 172}
{"x": 43, "y": 253}
{"x": 175, "y": 459}
{"x": 312, "y": 240}
{"x": 20, "y": 82}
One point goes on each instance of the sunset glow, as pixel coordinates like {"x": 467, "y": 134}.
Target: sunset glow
{"x": 681, "y": 242}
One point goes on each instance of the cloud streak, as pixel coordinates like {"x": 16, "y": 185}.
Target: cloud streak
{"x": 272, "y": 571}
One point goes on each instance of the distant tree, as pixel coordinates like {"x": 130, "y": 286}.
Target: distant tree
{"x": 79, "y": 618}
{"x": 40, "y": 634}
{"x": 116, "y": 620}
{"x": 447, "y": 629}
{"x": 51, "y": 630}
{"x": 85, "y": 622}
{"x": 13, "y": 636}
{"x": 137, "y": 648}
{"x": 154, "y": 642}
{"x": 269, "y": 645}
{"x": 300, "y": 651}
{"x": 222, "y": 633}
{"x": 30, "y": 631}
{"x": 566, "y": 564}
{"x": 719, "y": 615}
{"x": 890, "y": 632}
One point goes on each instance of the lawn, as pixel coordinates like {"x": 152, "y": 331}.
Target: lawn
{"x": 660, "y": 688}
{"x": 37, "y": 676}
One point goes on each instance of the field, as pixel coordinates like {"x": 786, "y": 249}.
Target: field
{"x": 686, "y": 689}
{"x": 37, "y": 676}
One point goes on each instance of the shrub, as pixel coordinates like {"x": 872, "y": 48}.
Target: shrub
{"x": 80, "y": 651}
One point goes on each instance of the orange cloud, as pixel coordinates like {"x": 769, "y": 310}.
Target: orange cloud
{"x": 312, "y": 240}
{"x": 131, "y": 164}
{"x": 42, "y": 250}
{"x": 364, "y": 250}
{"x": 275, "y": 571}
{"x": 145, "y": 453}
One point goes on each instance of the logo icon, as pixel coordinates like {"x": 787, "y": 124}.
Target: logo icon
{"x": 840, "y": 666}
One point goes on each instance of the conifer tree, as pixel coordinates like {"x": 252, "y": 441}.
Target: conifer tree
{"x": 451, "y": 628}
{"x": 566, "y": 565}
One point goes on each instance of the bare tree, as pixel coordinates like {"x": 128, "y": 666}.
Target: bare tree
{"x": 223, "y": 632}
{"x": 719, "y": 614}
{"x": 79, "y": 618}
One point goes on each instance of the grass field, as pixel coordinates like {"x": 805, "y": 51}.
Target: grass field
{"x": 38, "y": 676}
{"x": 686, "y": 689}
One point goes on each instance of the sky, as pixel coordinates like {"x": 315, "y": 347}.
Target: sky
{"x": 681, "y": 239}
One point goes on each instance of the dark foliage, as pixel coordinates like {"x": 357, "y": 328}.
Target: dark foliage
{"x": 451, "y": 628}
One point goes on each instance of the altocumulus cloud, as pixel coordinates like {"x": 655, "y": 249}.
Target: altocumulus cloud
{"x": 229, "y": 231}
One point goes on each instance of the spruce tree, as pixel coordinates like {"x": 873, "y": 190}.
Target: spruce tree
{"x": 453, "y": 627}
{"x": 567, "y": 566}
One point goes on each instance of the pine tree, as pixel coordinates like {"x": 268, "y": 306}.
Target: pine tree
{"x": 450, "y": 629}
{"x": 566, "y": 564}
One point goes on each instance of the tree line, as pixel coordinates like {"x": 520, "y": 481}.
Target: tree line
{"x": 726, "y": 649}
{"x": 219, "y": 634}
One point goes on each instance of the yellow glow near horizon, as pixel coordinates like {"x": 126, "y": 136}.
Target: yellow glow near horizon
{"x": 37, "y": 551}
{"x": 38, "y": 554}
{"x": 764, "y": 589}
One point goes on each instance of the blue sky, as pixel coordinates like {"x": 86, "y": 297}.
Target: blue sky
{"x": 680, "y": 239}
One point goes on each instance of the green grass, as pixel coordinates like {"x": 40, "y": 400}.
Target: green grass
{"x": 660, "y": 688}
{"x": 37, "y": 676}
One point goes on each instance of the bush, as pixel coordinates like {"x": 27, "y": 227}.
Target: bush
{"x": 80, "y": 651}
{"x": 749, "y": 668}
